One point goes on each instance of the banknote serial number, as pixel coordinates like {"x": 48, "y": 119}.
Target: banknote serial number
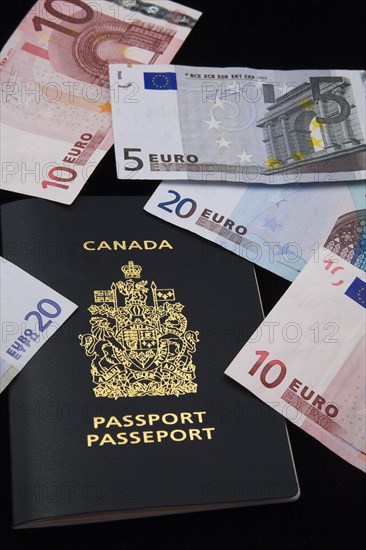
{"x": 46, "y": 309}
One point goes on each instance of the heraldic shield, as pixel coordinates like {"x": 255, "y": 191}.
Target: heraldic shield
{"x": 141, "y": 348}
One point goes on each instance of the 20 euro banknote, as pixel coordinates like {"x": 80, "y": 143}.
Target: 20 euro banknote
{"x": 31, "y": 312}
{"x": 278, "y": 228}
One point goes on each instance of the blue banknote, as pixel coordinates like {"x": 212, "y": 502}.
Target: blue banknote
{"x": 279, "y": 228}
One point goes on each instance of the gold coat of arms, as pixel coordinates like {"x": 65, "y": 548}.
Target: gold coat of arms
{"x": 142, "y": 347}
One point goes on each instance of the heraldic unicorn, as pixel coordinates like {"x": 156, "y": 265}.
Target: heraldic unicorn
{"x": 139, "y": 349}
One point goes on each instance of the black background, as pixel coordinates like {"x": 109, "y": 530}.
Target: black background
{"x": 330, "y": 511}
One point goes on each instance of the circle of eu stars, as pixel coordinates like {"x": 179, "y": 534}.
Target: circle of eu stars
{"x": 160, "y": 81}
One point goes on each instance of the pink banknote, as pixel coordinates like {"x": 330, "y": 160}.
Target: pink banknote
{"x": 56, "y": 108}
{"x": 307, "y": 359}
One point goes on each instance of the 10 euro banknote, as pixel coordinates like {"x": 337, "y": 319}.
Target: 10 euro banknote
{"x": 30, "y": 314}
{"x": 239, "y": 124}
{"x": 56, "y": 122}
{"x": 307, "y": 359}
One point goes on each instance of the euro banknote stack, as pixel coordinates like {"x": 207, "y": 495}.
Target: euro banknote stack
{"x": 276, "y": 168}
{"x": 307, "y": 359}
{"x": 268, "y": 164}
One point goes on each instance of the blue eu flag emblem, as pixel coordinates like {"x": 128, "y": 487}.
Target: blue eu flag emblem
{"x": 357, "y": 291}
{"x": 160, "y": 81}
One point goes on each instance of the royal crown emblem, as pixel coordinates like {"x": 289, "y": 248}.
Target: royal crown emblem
{"x": 141, "y": 348}
{"x": 131, "y": 271}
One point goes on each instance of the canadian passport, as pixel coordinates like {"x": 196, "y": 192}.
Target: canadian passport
{"x": 126, "y": 411}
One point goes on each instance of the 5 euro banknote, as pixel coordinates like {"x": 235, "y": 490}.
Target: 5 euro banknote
{"x": 239, "y": 124}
